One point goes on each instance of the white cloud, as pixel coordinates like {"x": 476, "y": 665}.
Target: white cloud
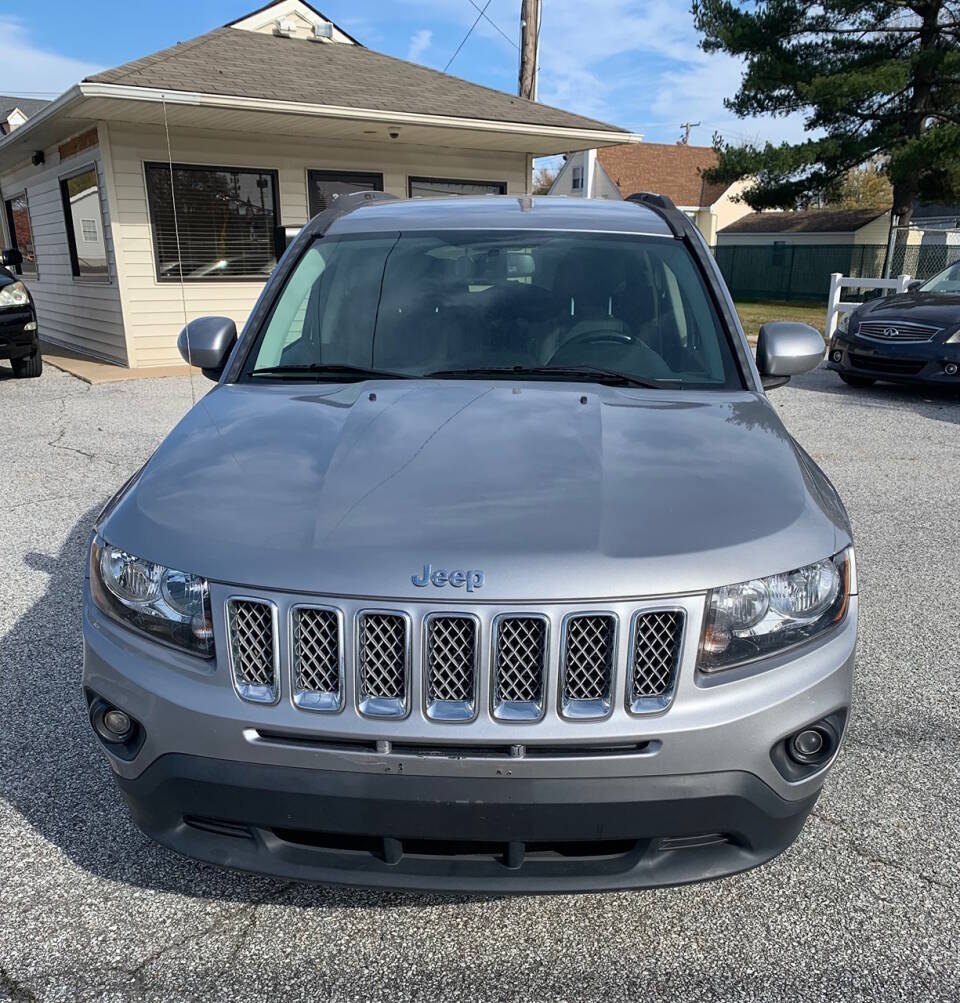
{"x": 419, "y": 43}
{"x": 33, "y": 71}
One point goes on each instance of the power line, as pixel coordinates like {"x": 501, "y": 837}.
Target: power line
{"x": 465, "y": 37}
{"x": 493, "y": 23}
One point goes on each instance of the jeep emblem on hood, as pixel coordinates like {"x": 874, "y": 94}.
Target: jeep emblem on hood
{"x": 472, "y": 579}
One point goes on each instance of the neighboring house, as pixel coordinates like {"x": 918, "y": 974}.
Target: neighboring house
{"x": 791, "y": 255}
{"x": 671, "y": 169}
{"x": 14, "y": 111}
{"x": 809, "y": 226}
{"x": 267, "y": 120}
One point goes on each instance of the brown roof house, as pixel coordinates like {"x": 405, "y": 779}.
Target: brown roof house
{"x": 671, "y": 169}
{"x": 808, "y": 226}
{"x": 247, "y": 129}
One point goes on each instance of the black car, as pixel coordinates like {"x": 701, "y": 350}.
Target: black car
{"x": 18, "y": 320}
{"x": 913, "y": 337}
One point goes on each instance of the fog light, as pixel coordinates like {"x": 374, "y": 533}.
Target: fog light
{"x": 950, "y": 369}
{"x": 811, "y": 745}
{"x": 114, "y": 725}
{"x": 836, "y": 355}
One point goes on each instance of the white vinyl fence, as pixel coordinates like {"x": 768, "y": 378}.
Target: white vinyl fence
{"x": 838, "y": 282}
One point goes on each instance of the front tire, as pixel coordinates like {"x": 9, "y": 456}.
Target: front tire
{"x": 29, "y": 367}
{"x": 857, "y": 381}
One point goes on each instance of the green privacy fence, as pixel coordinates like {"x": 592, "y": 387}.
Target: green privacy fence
{"x": 794, "y": 271}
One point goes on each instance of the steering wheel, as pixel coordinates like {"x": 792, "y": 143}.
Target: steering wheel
{"x": 595, "y": 337}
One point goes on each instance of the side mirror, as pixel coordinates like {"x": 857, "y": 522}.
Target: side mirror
{"x": 786, "y": 349}
{"x": 11, "y": 257}
{"x": 915, "y": 284}
{"x": 207, "y": 342}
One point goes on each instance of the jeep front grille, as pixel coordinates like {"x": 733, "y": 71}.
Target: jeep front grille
{"x": 252, "y": 630}
{"x": 451, "y": 667}
{"x": 520, "y": 668}
{"x": 382, "y": 654}
{"x": 317, "y": 672}
{"x": 589, "y": 650}
{"x": 656, "y": 655}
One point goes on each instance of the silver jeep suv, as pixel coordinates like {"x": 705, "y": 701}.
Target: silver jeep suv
{"x": 486, "y": 565}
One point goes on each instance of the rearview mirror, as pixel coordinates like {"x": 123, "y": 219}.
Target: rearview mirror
{"x": 11, "y": 257}
{"x": 207, "y": 342}
{"x": 914, "y": 284}
{"x": 786, "y": 349}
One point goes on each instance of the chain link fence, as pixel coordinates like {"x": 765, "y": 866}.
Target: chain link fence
{"x": 923, "y": 250}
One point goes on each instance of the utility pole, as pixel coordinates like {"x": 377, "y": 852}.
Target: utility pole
{"x": 686, "y": 126}
{"x": 529, "y": 48}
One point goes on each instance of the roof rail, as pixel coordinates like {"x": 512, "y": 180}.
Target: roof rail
{"x": 664, "y": 208}
{"x": 340, "y": 206}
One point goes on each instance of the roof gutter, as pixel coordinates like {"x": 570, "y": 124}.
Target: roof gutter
{"x": 66, "y": 100}
{"x": 202, "y": 100}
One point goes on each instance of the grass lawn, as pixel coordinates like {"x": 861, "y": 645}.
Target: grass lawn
{"x": 753, "y": 315}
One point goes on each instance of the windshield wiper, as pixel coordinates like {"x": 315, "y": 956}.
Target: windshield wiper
{"x": 330, "y": 369}
{"x": 592, "y": 373}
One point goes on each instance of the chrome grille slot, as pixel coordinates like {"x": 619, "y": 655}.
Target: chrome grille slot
{"x": 451, "y": 667}
{"x": 655, "y": 657}
{"x": 589, "y": 650}
{"x": 317, "y": 660}
{"x": 520, "y": 668}
{"x": 252, "y": 630}
{"x": 382, "y": 659}
{"x": 898, "y": 330}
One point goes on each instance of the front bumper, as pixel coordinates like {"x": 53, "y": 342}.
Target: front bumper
{"x": 18, "y": 333}
{"x": 911, "y": 362}
{"x": 496, "y": 834}
{"x": 276, "y": 790}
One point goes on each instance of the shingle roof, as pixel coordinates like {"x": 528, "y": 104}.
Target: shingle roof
{"x": 670, "y": 169}
{"x": 250, "y": 64}
{"x": 805, "y": 221}
{"x": 29, "y": 106}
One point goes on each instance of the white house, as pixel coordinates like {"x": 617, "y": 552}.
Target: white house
{"x": 671, "y": 169}
{"x": 186, "y": 162}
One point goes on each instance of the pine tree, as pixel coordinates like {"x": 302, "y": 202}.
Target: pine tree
{"x": 873, "y": 79}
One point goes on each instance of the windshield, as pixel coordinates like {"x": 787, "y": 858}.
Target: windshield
{"x": 947, "y": 281}
{"x": 454, "y": 303}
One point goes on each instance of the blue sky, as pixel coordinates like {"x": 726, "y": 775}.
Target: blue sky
{"x": 633, "y": 63}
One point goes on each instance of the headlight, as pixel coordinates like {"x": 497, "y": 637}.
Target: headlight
{"x": 14, "y": 294}
{"x": 954, "y": 338}
{"x": 843, "y": 324}
{"x": 761, "y": 617}
{"x": 172, "y": 606}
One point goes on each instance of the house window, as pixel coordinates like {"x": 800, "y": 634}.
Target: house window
{"x": 452, "y": 186}
{"x": 21, "y": 233}
{"x": 88, "y": 229}
{"x": 576, "y": 182}
{"x": 212, "y": 222}
{"x": 81, "y": 202}
{"x": 324, "y": 186}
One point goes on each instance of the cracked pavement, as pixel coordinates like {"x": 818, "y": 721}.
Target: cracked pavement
{"x": 866, "y": 904}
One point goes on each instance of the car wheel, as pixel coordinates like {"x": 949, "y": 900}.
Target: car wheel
{"x": 857, "y": 381}
{"x": 29, "y": 366}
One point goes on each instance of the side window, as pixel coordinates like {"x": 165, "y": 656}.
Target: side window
{"x": 324, "y": 186}
{"x": 80, "y": 194}
{"x": 21, "y": 233}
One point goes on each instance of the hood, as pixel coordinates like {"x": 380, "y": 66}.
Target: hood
{"x": 352, "y": 490}
{"x": 942, "y": 309}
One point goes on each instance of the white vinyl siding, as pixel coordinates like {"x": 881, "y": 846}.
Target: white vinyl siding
{"x": 154, "y": 311}
{"x": 78, "y": 313}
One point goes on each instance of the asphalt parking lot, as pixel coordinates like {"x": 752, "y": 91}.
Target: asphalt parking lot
{"x": 866, "y": 905}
